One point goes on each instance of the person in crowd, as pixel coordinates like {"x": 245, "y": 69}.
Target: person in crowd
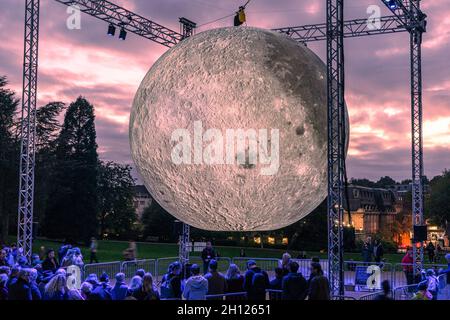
{"x": 430, "y": 251}
{"x": 433, "y": 283}
{"x": 294, "y": 285}
{"x": 93, "y": 280}
{"x": 140, "y": 273}
{"x": 447, "y": 271}
{"x": 63, "y": 250}
{"x": 3, "y": 260}
{"x": 208, "y": 254}
{"x": 93, "y": 250}
{"x": 217, "y": 284}
{"x": 367, "y": 250}
{"x": 196, "y": 286}
{"x": 135, "y": 283}
{"x": 284, "y": 263}
{"x": 35, "y": 292}
{"x": 103, "y": 291}
{"x": 86, "y": 290}
{"x": 407, "y": 264}
{"x": 120, "y": 289}
{"x": 235, "y": 281}
{"x": 147, "y": 291}
{"x": 386, "y": 294}
{"x": 378, "y": 251}
{"x": 14, "y": 251}
{"x": 319, "y": 287}
{"x": 50, "y": 262}
{"x": 36, "y": 261}
{"x": 5, "y": 270}
{"x": 275, "y": 283}
{"x": 3, "y": 288}
{"x": 73, "y": 257}
{"x": 256, "y": 281}
{"x": 21, "y": 289}
{"x": 171, "y": 282}
{"x": 13, "y": 276}
{"x": 56, "y": 289}
{"x": 422, "y": 293}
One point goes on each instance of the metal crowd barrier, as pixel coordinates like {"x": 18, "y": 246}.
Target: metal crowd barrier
{"x": 129, "y": 268}
{"x": 371, "y": 296}
{"x": 267, "y": 265}
{"x": 110, "y": 268}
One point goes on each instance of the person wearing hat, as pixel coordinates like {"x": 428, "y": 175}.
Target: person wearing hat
{"x": 120, "y": 289}
{"x": 196, "y": 286}
{"x": 256, "y": 281}
{"x": 422, "y": 293}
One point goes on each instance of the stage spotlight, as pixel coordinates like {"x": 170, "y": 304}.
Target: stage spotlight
{"x": 123, "y": 34}
{"x": 392, "y": 4}
{"x": 111, "y": 30}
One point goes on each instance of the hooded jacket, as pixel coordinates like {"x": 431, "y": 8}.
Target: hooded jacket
{"x": 196, "y": 288}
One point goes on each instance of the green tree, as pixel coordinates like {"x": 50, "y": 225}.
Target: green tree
{"x": 9, "y": 158}
{"x": 363, "y": 183}
{"x": 385, "y": 182}
{"x": 116, "y": 211}
{"x": 73, "y": 202}
{"x": 438, "y": 204}
{"x": 158, "y": 222}
{"x": 47, "y": 130}
{"x": 311, "y": 232}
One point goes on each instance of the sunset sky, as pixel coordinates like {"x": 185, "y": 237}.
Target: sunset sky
{"x": 108, "y": 72}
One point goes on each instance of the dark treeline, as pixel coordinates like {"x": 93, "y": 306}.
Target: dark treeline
{"x": 77, "y": 196}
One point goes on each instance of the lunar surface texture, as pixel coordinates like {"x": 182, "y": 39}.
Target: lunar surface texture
{"x": 229, "y": 130}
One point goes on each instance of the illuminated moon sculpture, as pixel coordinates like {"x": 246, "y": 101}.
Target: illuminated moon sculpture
{"x": 229, "y": 130}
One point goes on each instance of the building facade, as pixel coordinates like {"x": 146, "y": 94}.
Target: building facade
{"x": 372, "y": 210}
{"x": 141, "y": 199}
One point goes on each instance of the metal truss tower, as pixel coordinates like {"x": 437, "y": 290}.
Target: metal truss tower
{"x": 336, "y": 143}
{"x": 28, "y": 129}
{"x": 187, "y": 28}
{"x": 414, "y": 21}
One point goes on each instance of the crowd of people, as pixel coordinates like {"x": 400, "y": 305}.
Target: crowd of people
{"x": 48, "y": 278}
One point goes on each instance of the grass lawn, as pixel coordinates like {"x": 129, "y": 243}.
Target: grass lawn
{"x": 112, "y": 251}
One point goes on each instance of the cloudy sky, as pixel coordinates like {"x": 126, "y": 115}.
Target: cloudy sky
{"x": 108, "y": 72}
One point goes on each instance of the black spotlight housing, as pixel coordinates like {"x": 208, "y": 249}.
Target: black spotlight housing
{"x": 111, "y": 30}
{"x": 123, "y": 34}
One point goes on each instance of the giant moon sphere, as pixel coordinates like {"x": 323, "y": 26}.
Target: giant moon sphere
{"x": 229, "y": 130}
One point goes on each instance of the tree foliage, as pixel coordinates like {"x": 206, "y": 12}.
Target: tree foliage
{"x": 438, "y": 204}
{"x": 9, "y": 158}
{"x": 116, "y": 211}
{"x": 73, "y": 202}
